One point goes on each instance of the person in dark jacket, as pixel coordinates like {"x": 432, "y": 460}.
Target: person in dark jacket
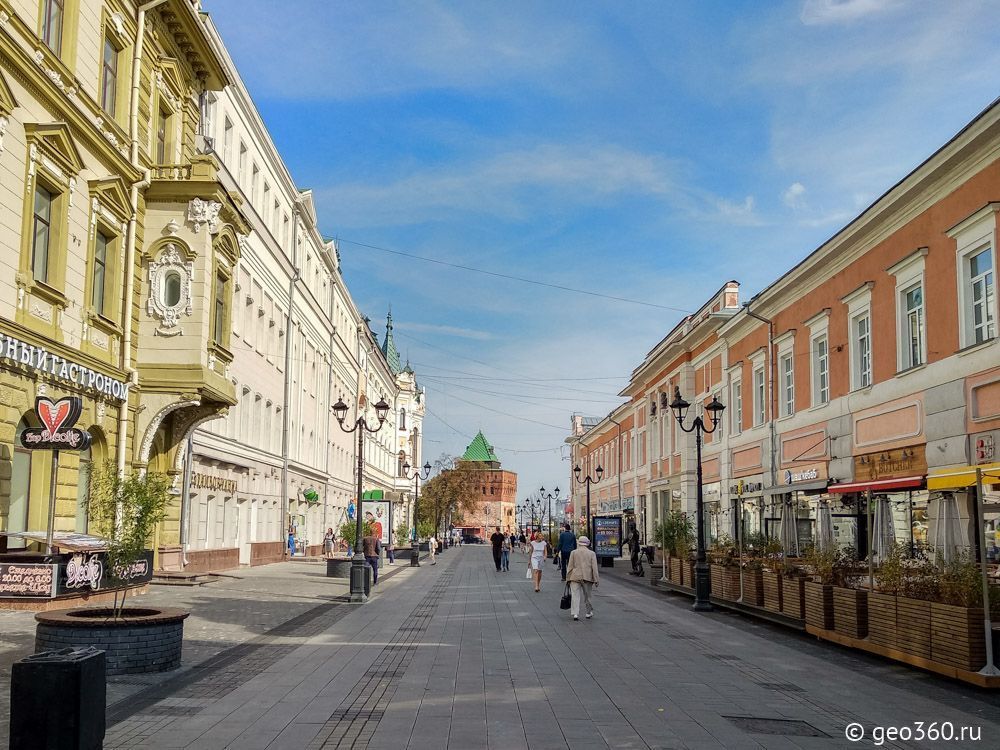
{"x": 496, "y": 539}
{"x": 566, "y": 544}
{"x": 633, "y": 548}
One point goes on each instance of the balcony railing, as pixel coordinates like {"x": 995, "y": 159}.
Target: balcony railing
{"x": 173, "y": 172}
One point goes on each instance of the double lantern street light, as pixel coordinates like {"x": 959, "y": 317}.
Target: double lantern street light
{"x": 417, "y": 476}
{"x": 703, "y": 584}
{"x": 588, "y": 480}
{"x": 358, "y": 595}
{"x": 549, "y": 496}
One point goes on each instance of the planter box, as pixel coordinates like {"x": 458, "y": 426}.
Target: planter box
{"x": 882, "y": 619}
{"x": 957, "y": 637}
{"x": 850, "y": 612}
{"x": 819, "y": 605}
{"x": 141, "y": 640}
{"x": 913, "y": 626}
{"x": 688, "y": 573}
{"x": 793, "y": 598}
{"x": 402, "y": 553}
{"x": 725, "y": 582}
{"x": 675, "y": 568}
{"x": 753, "y": 588}
{"x": 772, "y": 591}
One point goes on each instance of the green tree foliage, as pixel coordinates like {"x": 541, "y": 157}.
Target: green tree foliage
{"x": 349, "y": 528}
{"x": 449, "y": 493}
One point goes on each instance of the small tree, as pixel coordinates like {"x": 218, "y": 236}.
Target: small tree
{"x": 125, "y": 509}
{"x": 402, "y": 533}
{"x": 348, "y": 529}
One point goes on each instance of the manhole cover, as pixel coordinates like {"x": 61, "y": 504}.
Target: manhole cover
{"x": 783, "y": 686}
{"x": 783, "y": 727}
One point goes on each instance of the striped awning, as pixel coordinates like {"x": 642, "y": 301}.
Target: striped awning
{"x": 959, "y": 477}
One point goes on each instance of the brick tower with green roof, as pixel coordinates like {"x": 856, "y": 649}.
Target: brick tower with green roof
{"x": 495, "y": 488}
{"x": 480, "y": 451}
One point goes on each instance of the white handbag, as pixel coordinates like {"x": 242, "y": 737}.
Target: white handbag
{"x": 527, "y": 573}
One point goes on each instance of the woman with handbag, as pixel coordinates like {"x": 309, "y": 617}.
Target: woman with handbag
{"x": 582, "y": 576}
{"x": 539, "y": 550}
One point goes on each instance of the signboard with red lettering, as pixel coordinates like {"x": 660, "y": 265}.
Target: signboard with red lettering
{"x": 57, "y": 432}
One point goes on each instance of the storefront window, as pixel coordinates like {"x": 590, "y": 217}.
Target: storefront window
{"x": 20, "y": 484}
{"x": 83, "y": 492}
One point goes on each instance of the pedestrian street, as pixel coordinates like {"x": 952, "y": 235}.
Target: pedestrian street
{"x": 460, "y": 656}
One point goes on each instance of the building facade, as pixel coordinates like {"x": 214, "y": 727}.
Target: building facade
{"x": 494, "y": 492}
{"x": 867, "y": 372}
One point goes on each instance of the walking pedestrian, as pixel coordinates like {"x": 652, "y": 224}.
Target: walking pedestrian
{"x": 328, "y": 543}
{"x": 523, "y": 540}
{"x": 567, "y": 543}
{"x": 539, "y": 549}
{"x": 496, "y": 539}
{"x": 582, "y": 576}
{"x": 372, "y": 546}
{"x": 291, "y": 540}
{"x": 633, "y": 548}
{"x": 505, "y": 548}
{"x": 432, "y": 548}
{"x": 390, "y": 553}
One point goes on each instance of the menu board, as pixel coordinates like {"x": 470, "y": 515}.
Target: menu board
{"x": 28, "y": 580}
{"x": 607, "y": 536}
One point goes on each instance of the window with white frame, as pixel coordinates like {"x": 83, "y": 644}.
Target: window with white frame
{"x": 736, "y": 405}
{"x": 911, "y": 301}
{"x": 821, "y": 370}
{"x": 859, "y": 319}
{"x": 976, "y": 267}
{"x": 786, "y": 367}
{"x": 227, "y": 142}
{"x": 759, "y": 396}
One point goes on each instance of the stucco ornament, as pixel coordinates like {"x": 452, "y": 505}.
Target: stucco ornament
{"x": 201, "y": 213}
{"x": 170, "y": 289}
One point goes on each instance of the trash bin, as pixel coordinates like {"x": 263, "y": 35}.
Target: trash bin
{"x": 57, "y": 700}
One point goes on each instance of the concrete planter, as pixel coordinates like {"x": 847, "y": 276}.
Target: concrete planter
{"x": 819, "y": 605}
{"x": 338, "y": 567}
{"x": 403, "y": 553}
{"x": 141, "y": 640}
{"x": 850, "y": 612}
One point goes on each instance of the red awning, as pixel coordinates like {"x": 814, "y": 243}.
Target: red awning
{"x": 880, "y": 485}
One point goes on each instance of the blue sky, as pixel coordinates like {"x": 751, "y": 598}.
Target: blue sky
{"x": 646, "y": 150}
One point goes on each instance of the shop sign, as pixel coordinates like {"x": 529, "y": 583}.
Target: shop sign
{"x": 807, "y": 474}
{"x": 57, "y": 432}
{"x": 212, "y": 482}
{"x": 607, "y": 536}
{"x": 611, "y": 506}
{"x": 39, "y": 359}
{"x": 894, "y": 464}
{"x": 745, "y": 487}
{"x": 711, "y": 492}
{"x": 89, "y": 571}
{"x": 28, "y": 580}
{"x": 983, "y": 446}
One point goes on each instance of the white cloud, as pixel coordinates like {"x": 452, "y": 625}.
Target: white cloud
{"x": 821, "y": 12}
{"x": 793, "y": 196}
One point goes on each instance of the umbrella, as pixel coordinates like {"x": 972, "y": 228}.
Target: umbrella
{"x": 946, "y": 533}
{"x": 789, "y": 533}
{"x": 883, "y": 531}
{"x": 824, "y": 526}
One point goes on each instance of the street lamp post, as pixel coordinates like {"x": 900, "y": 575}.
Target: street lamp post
{"x": 588, "y": 480}
{"x": 703, "y": 584}
{"x": 415, "y": 553}
{"x": 548, "y": 496}
{"x": 358, "y": 595}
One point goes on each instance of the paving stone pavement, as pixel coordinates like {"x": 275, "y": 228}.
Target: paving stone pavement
{"x": 459, "y": 656}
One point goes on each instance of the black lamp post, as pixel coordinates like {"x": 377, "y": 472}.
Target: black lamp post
{"x": 703, "y": 583}
{"x": 588, "y": 480}
{"x": 548, "y": 496}
{"x": 415, "y": 554}
{"x": 535, "y": 511}
{"x": 358, "y": 595}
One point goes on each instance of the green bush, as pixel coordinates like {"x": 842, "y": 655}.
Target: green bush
{"x": 348, "y": 529}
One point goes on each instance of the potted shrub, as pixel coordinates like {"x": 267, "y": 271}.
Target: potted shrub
{"x": 882, "y": 602}
{"x": 957, "y": 637}
{"x": 725, "y": 569}
{"x": 850, "y": 601}
{"x": 818, "y": 588}
{"x": 771, "y": 575}
{"x": 680, "y": 534}
{"x": 124, "y": 509}
{"x": 753, "y": 567}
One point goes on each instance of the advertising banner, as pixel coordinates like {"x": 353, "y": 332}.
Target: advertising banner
{"x": 89, "y": 571}
{"x": 28, "y": 580}
{"x": 376, "y": 512}
{"x": 608, "y": 536}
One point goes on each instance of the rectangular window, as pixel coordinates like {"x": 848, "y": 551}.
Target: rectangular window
{"x": 162, "y": 122}
{"x": 53, "y": 12}
{"x": 254, "y": 178}
{"x": 787, "y": 368}
{"x": 736, "y": 407}
{"x": 981, "y": 293}
{"x": 759, "y": 397}
{"x": 109, "y": 77}
{"x": 821, "y": 371}
{"x": 242, "y": 175}
{"x": 218, "y": 322}
{"x": 266, "y": 214}
{"x": 41, "y": 234}
{"x": 912, "y": 300}
{"x": 227, "y": 142}
{"x": 100, "y": 268}
{"x": 861, "y": 332}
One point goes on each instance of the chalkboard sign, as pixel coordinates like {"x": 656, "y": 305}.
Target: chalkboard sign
{"x": 28, "y": 580}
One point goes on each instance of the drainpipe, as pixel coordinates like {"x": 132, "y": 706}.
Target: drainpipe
{"x": 186, "y": 499}
{"x": 286, "y": 503}
{"x": 771, "y": 407}
{"x": 126, "y": 353}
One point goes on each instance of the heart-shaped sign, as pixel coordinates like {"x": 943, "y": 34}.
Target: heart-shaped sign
{"x": 54, "y": 414}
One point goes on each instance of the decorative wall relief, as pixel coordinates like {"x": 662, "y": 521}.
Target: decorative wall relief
{"x": 202, "y": 213}
{"x": 170, "y": 289}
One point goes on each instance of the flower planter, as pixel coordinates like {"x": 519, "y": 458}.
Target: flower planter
{"x": 882, "y": 619}
{"x": 850, "y": 612}
{"x": 753, "y": 587}
{"x": 913, "y": 626}
{"x": 726, "y": 582}
{"x": 772, "y": 591}
{"x": 141, "y": 640}
{"x": 793, "y": 598}
{"x": 675, "y": 568}
{"x": 957, "y": 637}
{"x": 819, "y": 605}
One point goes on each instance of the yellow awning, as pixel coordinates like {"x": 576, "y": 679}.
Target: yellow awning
{"x": 962, "y": 476}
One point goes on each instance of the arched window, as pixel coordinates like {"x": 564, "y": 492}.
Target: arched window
{"x": 400, "y": 460}
{"x": 20, "y": 484}
{"x": 402, "y": 419}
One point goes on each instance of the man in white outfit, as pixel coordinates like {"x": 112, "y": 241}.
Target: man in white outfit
{"x": 582, "y": 576}
{"x": 432, "y": 547}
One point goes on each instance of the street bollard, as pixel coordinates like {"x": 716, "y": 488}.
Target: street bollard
{"x": 57, "y": 700}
